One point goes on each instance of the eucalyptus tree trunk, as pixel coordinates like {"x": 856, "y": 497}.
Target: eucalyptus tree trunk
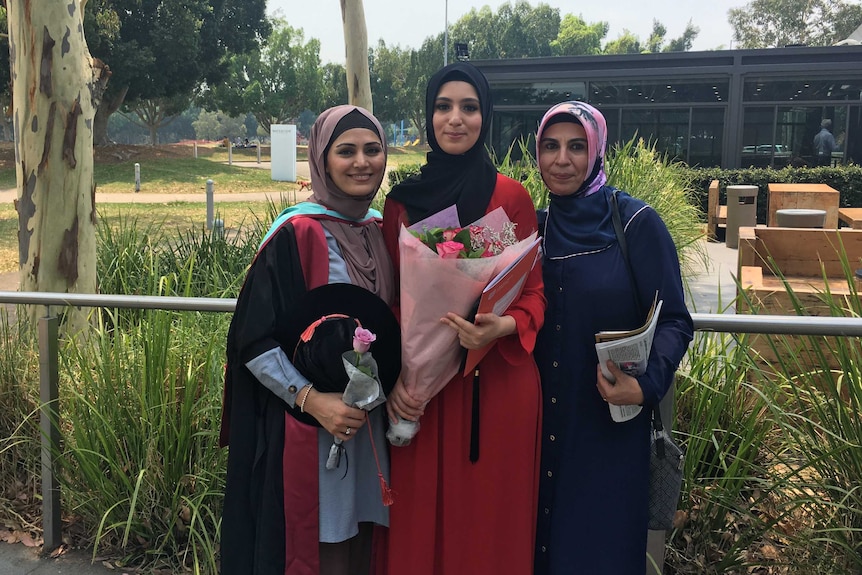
{"x": 356, "y": 48}
{"x": 55, "y": 86}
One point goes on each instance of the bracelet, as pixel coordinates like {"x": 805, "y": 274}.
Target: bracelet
{"x": 310, "y": 386}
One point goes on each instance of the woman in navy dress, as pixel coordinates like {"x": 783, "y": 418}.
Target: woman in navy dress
{"x": 594, "y": 471}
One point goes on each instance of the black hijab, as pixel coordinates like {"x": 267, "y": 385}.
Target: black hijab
{"x": 465, "y": 180}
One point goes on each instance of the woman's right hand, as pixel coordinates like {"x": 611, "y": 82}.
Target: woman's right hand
{"x": 336, "y": 417}
{"x": 400, "y": 404}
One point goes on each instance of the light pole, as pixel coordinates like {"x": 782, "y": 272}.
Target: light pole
{"x": 446, "y": 35}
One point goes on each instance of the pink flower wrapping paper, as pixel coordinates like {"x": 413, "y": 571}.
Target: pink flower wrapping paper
{"x": 431, "y": 286}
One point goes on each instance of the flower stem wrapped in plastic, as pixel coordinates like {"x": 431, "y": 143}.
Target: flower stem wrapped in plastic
{"x": 434, "y": 283}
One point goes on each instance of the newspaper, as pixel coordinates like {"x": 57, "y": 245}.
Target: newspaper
{"x": 629, "y": 350}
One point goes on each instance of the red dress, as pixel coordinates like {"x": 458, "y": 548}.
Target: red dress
{"x": 452, "y": 516}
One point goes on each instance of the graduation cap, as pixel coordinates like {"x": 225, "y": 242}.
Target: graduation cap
{"x": 328, "y": 316}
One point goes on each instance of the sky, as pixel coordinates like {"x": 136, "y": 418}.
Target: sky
{"x": 406, "y": 23}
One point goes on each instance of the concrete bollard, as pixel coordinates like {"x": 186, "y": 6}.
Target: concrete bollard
{"x": 137, "y": 177}
{"x": 258, "y": 151}
{"x": 210, "y": 208}
{"x": 229, "y": 153}
{"x": 196, "y": 149}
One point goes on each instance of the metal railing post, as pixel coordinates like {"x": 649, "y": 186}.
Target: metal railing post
{"x": 49, "y": 425}
{"x": 210, "y": 200}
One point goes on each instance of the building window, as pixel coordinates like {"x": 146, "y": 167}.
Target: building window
{"x": 707, "y": 137}
{"x": 658, "y": 92}
{"x": 549, "y": 93}
{"x": 667, "y": 129}
{"x": 772, "y": 90}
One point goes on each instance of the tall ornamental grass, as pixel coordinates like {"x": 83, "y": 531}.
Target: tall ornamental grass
{"x": 773, "y": 450}
{"x": 140, "y": 462}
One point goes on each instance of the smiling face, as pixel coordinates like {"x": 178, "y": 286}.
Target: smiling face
{"x": 457, "y": 118}
{"x": 356, "y": 162}
{"x": 564, "y": 157}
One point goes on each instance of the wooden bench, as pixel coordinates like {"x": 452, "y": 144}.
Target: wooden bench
{"x": 716, "y": 213}
{"x": 802, "y": 256}
{"x": 851, "y": 216}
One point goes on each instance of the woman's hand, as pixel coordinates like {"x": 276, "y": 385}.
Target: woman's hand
{"x": 626, "y": 390}
{"x": 487, "y": 328}
{"x": 400, "y": 404}
{"x": 336, "y": 417}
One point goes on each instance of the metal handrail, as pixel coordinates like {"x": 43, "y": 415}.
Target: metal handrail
{"x": 726, "y": 323}
{"x": 49, "y": 358}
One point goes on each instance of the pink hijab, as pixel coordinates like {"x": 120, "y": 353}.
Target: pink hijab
{"x": 596, "y": 129}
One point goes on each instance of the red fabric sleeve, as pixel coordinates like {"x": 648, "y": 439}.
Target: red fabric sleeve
{"x": 529, "y": 309}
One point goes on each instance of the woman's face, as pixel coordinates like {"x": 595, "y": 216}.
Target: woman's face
{"x": 457, "y": 118}
{"x": 564, "y": 158}
{"x": 356, "y": 162}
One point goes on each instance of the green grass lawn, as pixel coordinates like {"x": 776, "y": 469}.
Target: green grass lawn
{"x": 179, "y": 173}
{"x": 175, "y": 170}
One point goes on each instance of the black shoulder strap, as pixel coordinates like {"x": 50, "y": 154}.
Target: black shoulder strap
{"x": 624, "y": 248}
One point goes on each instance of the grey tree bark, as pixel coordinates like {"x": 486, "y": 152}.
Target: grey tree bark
{"x": 55, "y": 88}
{"x": 356, "y": 52}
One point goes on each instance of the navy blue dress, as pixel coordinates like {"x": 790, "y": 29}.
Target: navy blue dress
{"x": 594, "y": 472}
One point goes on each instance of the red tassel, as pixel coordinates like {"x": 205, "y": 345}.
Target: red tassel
{"x": 385, "y": 491}
{"x": 309, "y": 331}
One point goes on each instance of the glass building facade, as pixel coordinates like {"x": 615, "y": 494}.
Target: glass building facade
{"x": 728, "y": 108}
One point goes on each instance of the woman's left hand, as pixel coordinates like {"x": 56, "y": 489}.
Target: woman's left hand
{"x": 626, "y": 390}
{"x": 486, "y": 328}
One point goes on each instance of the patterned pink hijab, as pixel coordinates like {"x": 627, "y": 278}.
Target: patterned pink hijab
{"x": 597, "y": 139}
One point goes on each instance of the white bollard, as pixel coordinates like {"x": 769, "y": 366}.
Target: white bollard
{"x": 196, "y": 149}
{"x": 210, "y": 209}
{"x": 258, "y": 151}
{"x": 137, "y": 177}
{"x": 229, "y": 153}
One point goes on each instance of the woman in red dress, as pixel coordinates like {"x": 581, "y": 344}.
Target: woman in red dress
{"x": 453, "y": 514}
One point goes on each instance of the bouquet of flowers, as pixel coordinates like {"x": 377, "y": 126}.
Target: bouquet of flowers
{"x": 444, "y": 268}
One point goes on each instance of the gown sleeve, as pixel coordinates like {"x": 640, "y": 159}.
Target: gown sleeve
{"x": 528, "y": 310}
{"x": 293, "y": 260}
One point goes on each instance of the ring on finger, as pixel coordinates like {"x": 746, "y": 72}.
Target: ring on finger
{"x": 347, "y": 432}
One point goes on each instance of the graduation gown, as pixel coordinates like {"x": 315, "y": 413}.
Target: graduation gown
{"x": 271, "y": 507}
{"x": 594, "y": 474}
{"x": 452, "y": 516}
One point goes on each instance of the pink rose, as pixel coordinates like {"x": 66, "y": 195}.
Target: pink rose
{"x": 449, "y": 235}
{"x": 449, "y": 250}
{"x": 362, "y": 340}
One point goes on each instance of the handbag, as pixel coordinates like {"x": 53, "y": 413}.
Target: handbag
{"x": 665, "y": 476}
{"x": 666, "y": 457}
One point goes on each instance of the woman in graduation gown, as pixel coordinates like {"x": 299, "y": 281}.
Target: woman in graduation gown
{"x": 453, "y": 515}
{"x": 284, "y": 513}
{"x": 594, "y": 475}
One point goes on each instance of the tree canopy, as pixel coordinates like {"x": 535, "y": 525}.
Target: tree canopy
{"x": 161, "y": 49}
{"x": 519, "y": 31}
{"x": 778, "y": 23}
{"x": 274, "y": 82}
{"x": 576, "y": 37}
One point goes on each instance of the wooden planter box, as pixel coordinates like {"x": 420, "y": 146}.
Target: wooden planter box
{"x": 803, "y": 256}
